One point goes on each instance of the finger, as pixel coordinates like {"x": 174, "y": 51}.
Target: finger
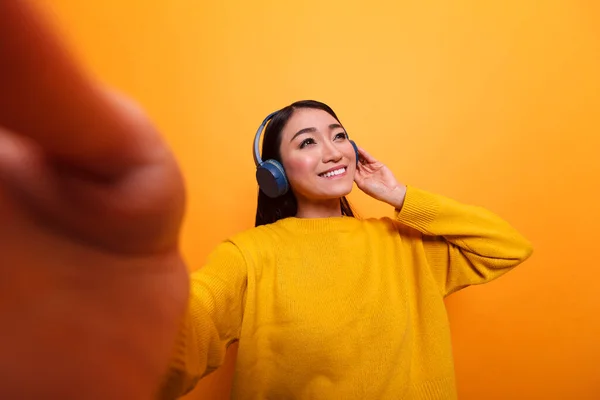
{"x": 364, "y": 155}
{"x": 359, "y": 172}
{"x": 49, "y": 98}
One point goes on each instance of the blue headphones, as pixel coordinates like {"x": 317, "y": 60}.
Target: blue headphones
{"x": 270, "y": 174}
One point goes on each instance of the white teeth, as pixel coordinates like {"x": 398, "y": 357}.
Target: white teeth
{"x": 333, "y": 173}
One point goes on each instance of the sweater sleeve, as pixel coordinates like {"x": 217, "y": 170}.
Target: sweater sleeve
{"x": 212, "y": 322}
{"x": 464, "y": 245}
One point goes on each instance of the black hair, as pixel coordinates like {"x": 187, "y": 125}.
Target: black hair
{"x": 269, "y": 210}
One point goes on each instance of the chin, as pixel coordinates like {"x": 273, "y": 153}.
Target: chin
{"x": 320, "y": 191}
{"x": 335, "y": 193}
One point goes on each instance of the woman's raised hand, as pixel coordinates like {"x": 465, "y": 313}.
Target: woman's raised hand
{"x": 375, "y": 179}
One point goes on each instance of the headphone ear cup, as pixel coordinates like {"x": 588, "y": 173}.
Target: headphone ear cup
{"x": 355, "y": 150}
{"x": 271, "y": 179}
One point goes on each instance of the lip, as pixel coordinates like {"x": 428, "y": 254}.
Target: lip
{"x": 333, "y": 169}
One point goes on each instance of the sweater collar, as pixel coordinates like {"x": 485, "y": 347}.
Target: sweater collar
{"x": 328, "y": 224}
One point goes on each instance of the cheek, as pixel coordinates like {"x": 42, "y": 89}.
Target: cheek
{"x": 300, "y": 168}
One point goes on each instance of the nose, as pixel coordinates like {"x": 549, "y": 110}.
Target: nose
{"x": 331, "y": 153}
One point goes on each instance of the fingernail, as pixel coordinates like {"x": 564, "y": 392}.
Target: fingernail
{"x": 13, "y": 150}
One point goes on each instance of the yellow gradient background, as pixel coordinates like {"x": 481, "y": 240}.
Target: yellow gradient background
{"x": 492, "y": 103}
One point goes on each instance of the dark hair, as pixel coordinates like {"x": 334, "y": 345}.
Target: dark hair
{"x": 269, "y": 210}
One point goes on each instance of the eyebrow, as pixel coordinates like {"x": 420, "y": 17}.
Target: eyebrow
{"x": 313, "y": 129}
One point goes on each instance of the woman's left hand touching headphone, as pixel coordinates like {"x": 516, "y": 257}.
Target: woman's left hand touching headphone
{"x": 376, "y": 180}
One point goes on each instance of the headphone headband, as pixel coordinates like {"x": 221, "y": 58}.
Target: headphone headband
{"x": 257, "y": 160}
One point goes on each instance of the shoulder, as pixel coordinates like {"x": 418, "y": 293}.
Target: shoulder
{"x": 389, "y": 226}
{"x": 263, "y": 233}
{"x": 257, "y": 242}
{"x": 386, "y": 224}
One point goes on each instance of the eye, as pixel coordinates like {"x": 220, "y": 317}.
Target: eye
{"x": 341, "y": 135}
{"x": 306, "y": 142}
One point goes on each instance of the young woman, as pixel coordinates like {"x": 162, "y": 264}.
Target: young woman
{"x": 325, "y": 305}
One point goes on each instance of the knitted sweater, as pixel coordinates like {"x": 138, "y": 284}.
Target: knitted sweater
{"x": 342, "y": 308}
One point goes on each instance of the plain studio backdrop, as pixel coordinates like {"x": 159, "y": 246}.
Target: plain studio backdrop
{"x": 492, "y": 103}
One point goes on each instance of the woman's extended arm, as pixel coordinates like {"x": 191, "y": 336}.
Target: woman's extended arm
{"x": 92, "y": 285}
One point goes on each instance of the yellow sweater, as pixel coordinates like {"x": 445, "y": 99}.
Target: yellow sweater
{"x": 342, "y": 308}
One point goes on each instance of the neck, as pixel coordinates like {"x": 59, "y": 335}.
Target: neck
{"x": 319, "y": 209}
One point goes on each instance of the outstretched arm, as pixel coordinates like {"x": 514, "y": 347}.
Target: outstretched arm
{"x": 213, "y": 321}
{"x": 91, "y": 201}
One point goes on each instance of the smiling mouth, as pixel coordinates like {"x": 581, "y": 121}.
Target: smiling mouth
{"x": 334, "y": 173}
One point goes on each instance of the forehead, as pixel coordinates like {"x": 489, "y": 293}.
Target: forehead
{"x": 308, "y": 118}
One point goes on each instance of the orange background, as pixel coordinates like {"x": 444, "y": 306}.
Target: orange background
{"x": 493, "y": 103}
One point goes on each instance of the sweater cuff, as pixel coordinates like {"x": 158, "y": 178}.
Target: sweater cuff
{"x": 420, "y": 208}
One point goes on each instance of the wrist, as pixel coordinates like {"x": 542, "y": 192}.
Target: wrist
{"x": 397, "y": 197}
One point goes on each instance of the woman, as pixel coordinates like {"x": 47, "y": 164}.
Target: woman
{"x": 325, "y": 305}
